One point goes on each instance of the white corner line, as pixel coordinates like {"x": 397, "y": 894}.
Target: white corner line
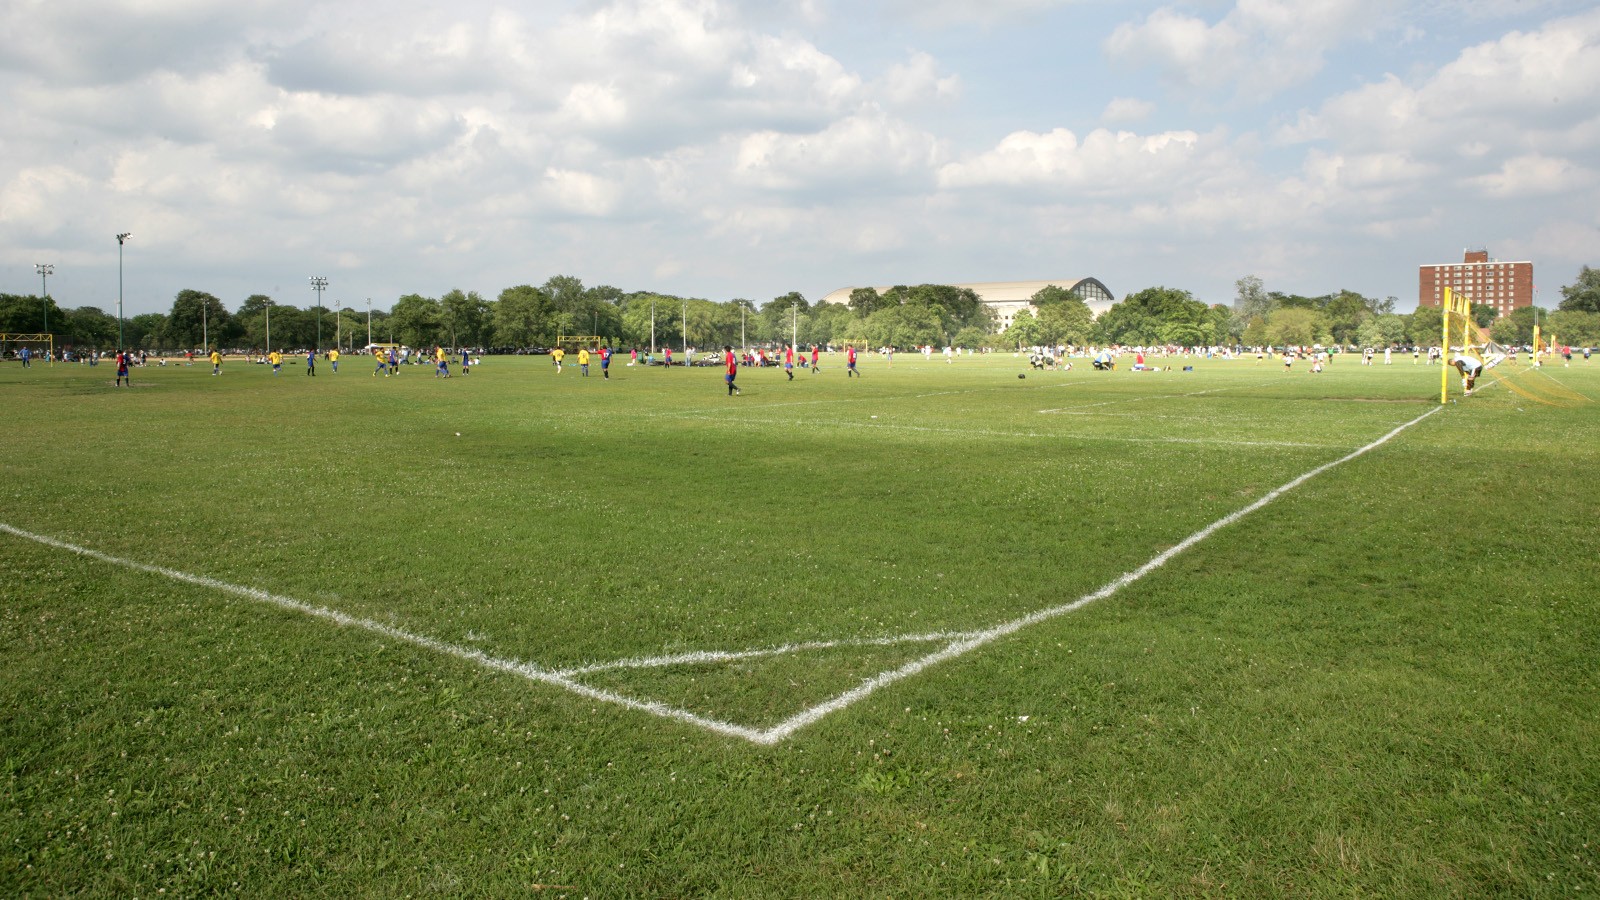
{"x": 963, "y": 642}
{"x": 511, "y": 666}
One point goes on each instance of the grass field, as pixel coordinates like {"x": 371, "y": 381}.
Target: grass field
{"x": 523, "y": 634}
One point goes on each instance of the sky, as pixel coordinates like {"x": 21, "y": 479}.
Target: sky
{"x": 722, "y": 149}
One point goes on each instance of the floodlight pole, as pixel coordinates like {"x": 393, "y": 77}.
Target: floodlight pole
{"x": 794, "y": 324}
{"x": 318, "y": 284}
{"x": 369, "y": 323}
{"x": 120, "y": 239}
{"x": 45, "y": 270}
{"x": 338, "y": 329}
{"x": 269, "y": 324}
{"x": 686, "y": 359}
{"x": 652, "y": 327}
{"x": 205, "y": 330}
{"x": 744, "y": 344}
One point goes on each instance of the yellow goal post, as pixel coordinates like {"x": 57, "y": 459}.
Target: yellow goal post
{"x": 12, "y": 343}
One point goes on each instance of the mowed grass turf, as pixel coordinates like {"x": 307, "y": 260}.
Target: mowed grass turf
{"x": 1382, "y": 684}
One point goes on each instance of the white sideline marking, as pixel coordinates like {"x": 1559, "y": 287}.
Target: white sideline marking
{"x": 978, "y": 639}
{"x": 962, "y": 643}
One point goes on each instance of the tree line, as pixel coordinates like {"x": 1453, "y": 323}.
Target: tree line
{"x": 902, "y": 316}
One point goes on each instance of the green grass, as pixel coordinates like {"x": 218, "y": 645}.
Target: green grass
{"x": 1382, "y": 684}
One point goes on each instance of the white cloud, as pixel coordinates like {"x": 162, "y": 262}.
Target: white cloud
{"x": 1535, "y": 175}
{"x": 868, "y": 150}
{"x": 1127, "y": 110}
{"x": 919, "y": 79}
{"x": 1119, "y": 162}
{"x": 1260, "y": 47}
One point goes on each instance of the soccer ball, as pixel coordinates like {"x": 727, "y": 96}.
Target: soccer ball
{"x": 1022, "y": 375}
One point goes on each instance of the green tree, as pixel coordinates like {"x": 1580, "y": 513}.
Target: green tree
{"x": 1483, "y": 315}
{"x": 866, "y": 301}
{"x": 1140, "y": 318}
{"x": 1515, "y": 327}
{"x": 1344, "y": 313}
{"x": 1423, "y": 327}
{"x": 1575, "y": 327}
{"x": 1024, "y": 331}
{"x": 1067, "y": 322}
{"x": 1251, "y": 302}
{"x": 1294, "y": 326}
{"x": 1582, "y": 295}
{"x": 199, "y": 319}
{"x": 26, "y": 313}
{"x": 417, "y": 321}
{"x": 522, "y": 317}
{"x": 464, "y": 317}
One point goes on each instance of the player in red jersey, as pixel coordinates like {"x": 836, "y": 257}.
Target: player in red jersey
{"x": 814, "y": 368}
{"x": 850, "y": 361}
{"x": 788, "y": 361}
{"x": 733, "y": 369}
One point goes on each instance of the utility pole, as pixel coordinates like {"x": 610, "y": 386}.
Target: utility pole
{"x": 369, "y": 323}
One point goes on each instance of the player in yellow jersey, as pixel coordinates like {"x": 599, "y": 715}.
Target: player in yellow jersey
{"x": 333, "y": 359}
{"x": 583, "y": 361}
{"x": 216, "y": 363}
{"x": 276, "y": 359}
{"x": 556, "y": 356}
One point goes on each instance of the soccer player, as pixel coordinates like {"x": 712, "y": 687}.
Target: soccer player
{"x": 605, "y": 363}
{"x": 333, "y": 359}
{"x": 122, "y": 370}
{"x": 583, "y": 361}
{"x": 1469, "y": 367}
{"x": 788, "y": 361}
{"x": 850, "y": 360}
{"x": 216, "y": 362}
{"x": 732, "y": 363}
{"x": 27, "y": 357}
{"x": 466, "y": 361}
{"x": 443, "y": 361}
{"x": 394, "y": 362}
{"x": 814, "y": 369}
{"x": 556, "y": 356}
{"x": 276, "y": 359}
{"x": 633, "y": 357}
{"x": 383, "y": 364}
{"x": 668, "y": 362}
{"x": 311, "y": 363}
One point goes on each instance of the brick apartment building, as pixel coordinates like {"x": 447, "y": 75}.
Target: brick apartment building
{"x": 1503, "y": 285}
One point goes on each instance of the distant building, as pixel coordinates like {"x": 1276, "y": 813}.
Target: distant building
{"x": 1007, "y": 298}
{"x": 1506, "y": 286}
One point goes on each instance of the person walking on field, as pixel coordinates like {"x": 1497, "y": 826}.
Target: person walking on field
{"x": 556, "y": 356}
{"x": 732, "y": 363}
{"x": 311, "y": 363}
{"x": 668, "y": 357}
{"x": 383, "y": 364}
{"x": 466, "y": 362}
{"x": 122, "y": 370}
{"x": 605, "y": 363}
{"x": 583, "y": 361}
{"x": 333, "y": 360}
{"x": 850, "y": 361}
{"x": 276, "y": 359}
{"x": 814, "y": 369}
{"x": 788, "y": 361}
{"x": 216, "y": 362}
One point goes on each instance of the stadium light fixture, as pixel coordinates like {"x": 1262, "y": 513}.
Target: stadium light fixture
{"x": 45, "y": 270}
{"x": 319, "y": 284}
{"x": 121, "y": 239}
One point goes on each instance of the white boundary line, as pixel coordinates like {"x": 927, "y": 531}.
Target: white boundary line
{"x": 512, "y": 666}
{"x": 964, "y": 642}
